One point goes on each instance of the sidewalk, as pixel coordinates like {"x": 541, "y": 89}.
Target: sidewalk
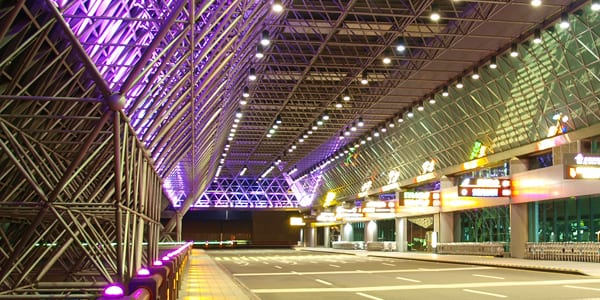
{"x": 203, "y": 279}
{"x": 574, "y": 267}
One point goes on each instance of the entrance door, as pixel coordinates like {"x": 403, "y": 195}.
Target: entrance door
{"x": 417, "y": 233}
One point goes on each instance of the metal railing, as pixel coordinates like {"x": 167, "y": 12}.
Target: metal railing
{"x": 567, "y": 251}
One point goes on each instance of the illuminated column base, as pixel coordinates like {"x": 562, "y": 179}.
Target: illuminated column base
{"x": 401, "y": 243}
{"x": 518, "y": 229}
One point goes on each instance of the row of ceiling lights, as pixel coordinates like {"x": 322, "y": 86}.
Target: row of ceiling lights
{"x": 264, "y": 41}
{"x": 399, "y": 118}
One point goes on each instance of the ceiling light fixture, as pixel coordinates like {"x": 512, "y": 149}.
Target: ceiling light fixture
{"x": 493, "y": 63}
{"x": 361, "y": 122}
{"x": 410, "y": 114}
{"x": 353, "y": 128}
{"x": 459, "y": 84}
{"x": 338, "y": 104}
{"x": 277, "y": 6}
{"x": 401, "y": 45}
{"x": 264, "y": 40}
{"x": 364, "y": 79}
{"x": 346, "y": 97}
{"x": 475, "y": 74}
{"x": 341, "y": 135}
{"x": 259, "y": 51}
{"x": 536, "y": 2}
{"x": 246, "y": 92}
{"x": 243, "y": 171}
{"x": 400, "y": 118}
{"x": 431, "y": 99}
{"x": 435, "y": 15}
{"x": 386, "y": 60}
{"x": 243, "y": 101}
{"x": 391, "y": 124}
{"x": 420, "y": 106}
{"x": 595, "y": 5}
{"x": 252, "y": 74}
{"x": 445, "y": 92}
{"x": 537, "y": 36}
{"x": 564, "y": 21}
{"x": 513, "y": 50}
{"x": 325, "y": 116}
{"x": 278, "y": 120}
{"x": 347, "y": 131}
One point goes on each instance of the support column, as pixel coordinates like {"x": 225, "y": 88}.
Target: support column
{"x": 370, "y": 231}
{"x": 312, "y": 237}
{"x": 347, "y": 232}
{"x": 446, "y": 233}
{"x": 401, "y": 243}
{"x": 518, "y": 229}
{"x": 326, "y": 237}
{"x": 178, "y": 226}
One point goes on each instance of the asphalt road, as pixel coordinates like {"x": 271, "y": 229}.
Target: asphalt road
{"x": 291, "y": 275}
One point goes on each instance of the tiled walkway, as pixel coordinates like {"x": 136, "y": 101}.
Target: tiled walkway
{"x": 204, "y": 280}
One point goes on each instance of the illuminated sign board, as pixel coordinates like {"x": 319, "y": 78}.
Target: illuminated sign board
{"x": 379, "y": 207}
{"x": 581, "y": 166}
{"x": 478, "y": 150}
{"x": 485, "y": 187}
{"x": 420, "y": 199}
{"x": 297, "y": 221}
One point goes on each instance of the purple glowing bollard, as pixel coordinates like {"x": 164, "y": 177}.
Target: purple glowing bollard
{"x": 143, "y": 272}
{"x": 114, "y": 290}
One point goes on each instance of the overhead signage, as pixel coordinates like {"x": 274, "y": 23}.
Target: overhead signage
{"x": 475, "y": 163}
{"x": 297, "y": 221}
{"x": 379, "y": 207}
{"x": 427, "y": 173}
{"x": 420, "y": 199}
{"x": 393, "y": 177}
{"x": 348, "y": 213}
{"x": 478, "y": 150}
{"x": 387, "y": 197}
{"x": 364, "y": 189}
{"x": 485, "y": 187}
{"x": 326, "y": 217}
{"x": 581, "y": 166}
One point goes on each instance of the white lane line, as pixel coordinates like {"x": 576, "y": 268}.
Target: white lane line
{"x": 323, "y": 282}
{"x": 278, "y": 267}
{"x": 462, "y": 285}
{"x": 335, "y": 266}
{"x": 369, "y": 272}
{"x": 485, "y": 293}
{"x": 391, "y": 265}
{"x": 369, "y": 296}
{"x": 408, "y": 279}
{"x": 488, "y": 276}
{"x": 581, "y": 287}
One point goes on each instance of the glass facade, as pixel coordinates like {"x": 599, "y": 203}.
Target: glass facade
{"x": 575, "y": 219}
{"x": 386, "y": 230}
{"x": 358, "y": 231}
{"x": 489, "y": 224}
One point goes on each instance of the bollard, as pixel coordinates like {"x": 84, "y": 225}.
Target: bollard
{"x": 164, "y": 273}
{"x": 152, "y": 283}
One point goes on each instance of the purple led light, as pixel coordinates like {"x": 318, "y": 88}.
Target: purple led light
{"x": 166, "y": 258}
{"x": 114, "y": 290}
{"x": 157, "y": 263}
{"x": 143, "y": 272}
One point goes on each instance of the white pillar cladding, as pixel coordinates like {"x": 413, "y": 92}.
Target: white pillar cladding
{"x": 326, "y": 237}
{"x": 311, "y": 237}
{"x": 401, "y": 243}
{"x": 347, "y": 232}
{"x": 446, "y": 232}
{"x": 518, "y": 229}
{"x": 371, "y": 231}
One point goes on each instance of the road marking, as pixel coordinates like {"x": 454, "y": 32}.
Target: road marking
{"x": 323, "y": 282}
{"x": 369, "y": 296}
{"x": 335, "y": 266}
{"x": 485, "y": 293}
{"x": 370, "y": 272}
{"x": 278, "y": 267}
{"x": 581, "y": 287}
{"x": 391, "y": 265}
{"x": 462, "y": 285}
{"x": 488, "y": 276}
{"x": 408, "y": 279}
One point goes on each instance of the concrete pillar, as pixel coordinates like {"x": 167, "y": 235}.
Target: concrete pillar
{"x": 446, "y": 232}
{"x": 518, "y": 229}
{"x": 326, "y": 237}
{"x": 311, "y": 237}
{"x": 347, "y": 232}
{"x": 401, "y": 243}
{"x": 370, "y": 231}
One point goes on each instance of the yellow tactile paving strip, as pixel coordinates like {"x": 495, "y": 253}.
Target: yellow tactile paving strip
{"x": 203, "y": 279}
